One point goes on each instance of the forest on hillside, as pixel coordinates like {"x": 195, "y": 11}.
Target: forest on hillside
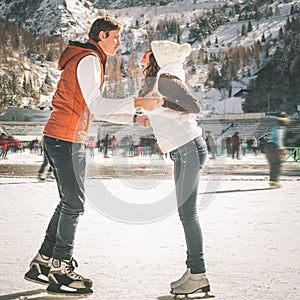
{"x": 276, "y": 86}
{"x": 20, "y": 53}
{"x": 272, "y": 62}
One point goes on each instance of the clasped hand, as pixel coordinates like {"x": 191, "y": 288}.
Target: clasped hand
{"x": 143, "y": 121}
{"x": 148, "y": 103}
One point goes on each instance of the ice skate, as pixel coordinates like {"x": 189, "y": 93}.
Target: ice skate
{"x": 64, "y": 281}
{"x": 181, "y": 280}
{"x": 39, "y": 269}
{"x": 195, "y": 287}
{"x": 41, "y": 177}
{"x": 50, "y": 176}
{"x": 274, "y": 185}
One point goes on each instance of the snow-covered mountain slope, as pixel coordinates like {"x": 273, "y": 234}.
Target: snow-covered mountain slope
{"x": 50, "y": 17}
{"x": 72, "y": 18}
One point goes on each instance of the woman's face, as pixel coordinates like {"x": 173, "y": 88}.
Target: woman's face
{"x": 145, "y": 61}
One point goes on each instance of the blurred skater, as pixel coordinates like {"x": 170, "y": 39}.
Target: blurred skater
{"x": 274, "y": 150}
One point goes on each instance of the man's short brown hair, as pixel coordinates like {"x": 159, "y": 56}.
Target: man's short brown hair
{"x": 105, "y": 24}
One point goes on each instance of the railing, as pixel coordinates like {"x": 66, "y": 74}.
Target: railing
{"x": 292, "y": 154}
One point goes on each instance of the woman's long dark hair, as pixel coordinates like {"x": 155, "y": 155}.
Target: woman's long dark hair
{"x": 150, "y": 73}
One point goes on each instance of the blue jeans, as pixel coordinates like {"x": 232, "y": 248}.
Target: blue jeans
{"x": 69, "y": 163}
{"x": 188, "y": 161}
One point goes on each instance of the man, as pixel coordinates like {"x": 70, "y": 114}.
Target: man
{"x": 211, "y": 144}
{"x": 275, "y": 151}
{"x": 236, "y": 144}
{"x": 77, "y": 98}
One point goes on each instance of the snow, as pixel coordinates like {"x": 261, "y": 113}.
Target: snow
{"x": 251, "y": 233}
{"x": 230, "y": 105}
{"x": 73, "y": 19}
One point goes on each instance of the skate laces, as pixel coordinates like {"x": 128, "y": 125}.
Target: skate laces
{"x": 71, "y": 265}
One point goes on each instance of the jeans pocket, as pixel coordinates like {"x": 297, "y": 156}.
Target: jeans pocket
{"x": 52, "y": 142}
{"x": 77, "y": 148}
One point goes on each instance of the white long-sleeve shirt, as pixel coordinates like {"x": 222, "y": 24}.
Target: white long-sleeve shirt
{"x": 111, "y": 110}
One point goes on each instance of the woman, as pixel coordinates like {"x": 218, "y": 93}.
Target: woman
{"x": 177, "y": 133}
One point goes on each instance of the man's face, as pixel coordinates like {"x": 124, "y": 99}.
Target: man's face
{"x": 111, "y": 43}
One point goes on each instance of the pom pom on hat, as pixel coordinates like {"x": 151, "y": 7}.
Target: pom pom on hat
{"x": 167, "y": 52}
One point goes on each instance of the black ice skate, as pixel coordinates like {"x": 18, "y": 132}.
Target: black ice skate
{"x": 39, "y": 269}
{"x": 64, "y": 281}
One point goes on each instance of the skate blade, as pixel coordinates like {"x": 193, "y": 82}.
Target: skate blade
{"x": 69, "y": 292}
{"x": 194, "y": 296}
{"x": 37, "y": 280}
{"x": 201, "y": 293}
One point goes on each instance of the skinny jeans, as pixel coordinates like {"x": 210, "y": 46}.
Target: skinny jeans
{"x": 188, "y": 161}
{"x": 68, "y": 161}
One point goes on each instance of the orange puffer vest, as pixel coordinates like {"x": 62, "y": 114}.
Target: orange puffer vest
{"x": 70, "y": 119}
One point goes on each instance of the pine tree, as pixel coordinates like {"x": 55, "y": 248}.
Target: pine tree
{"x": 49, "y": 56}
{"x": 46, "y": 87}
{"x": 190, "y": 60}
{"x": 114, "y": 86}
{"x": 256, "y": 52}
{"x": 206, "y": 61}
{"x": 14, "y": 83}
{"x": 280, "y": 34}
{"x": 48, "y": 79}
{"x": 201, "y": 57}
{"x": 292, "y": 10}
{"x": 288, "y": 25}
{"x": 216, "y": 42}
{"x": 243, "y": 31}
{"x": 133, "y": 73}
{"x": 24, "y": 85}
{"x": 214, "y": 76}
{"x": 249, "y": 28}
{"x": 277, "y": 11}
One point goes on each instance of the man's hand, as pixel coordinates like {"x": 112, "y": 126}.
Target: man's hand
{"x": 147, "y": 103}
{"x": 143, "y": 121}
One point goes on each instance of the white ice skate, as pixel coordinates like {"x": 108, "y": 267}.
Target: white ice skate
{"x": 181, "y": 280}
{"x": 196, "y": 287}
{"x": 274, "y": 185}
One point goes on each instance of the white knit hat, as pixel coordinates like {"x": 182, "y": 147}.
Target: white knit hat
{"x": 167, "y": 52}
